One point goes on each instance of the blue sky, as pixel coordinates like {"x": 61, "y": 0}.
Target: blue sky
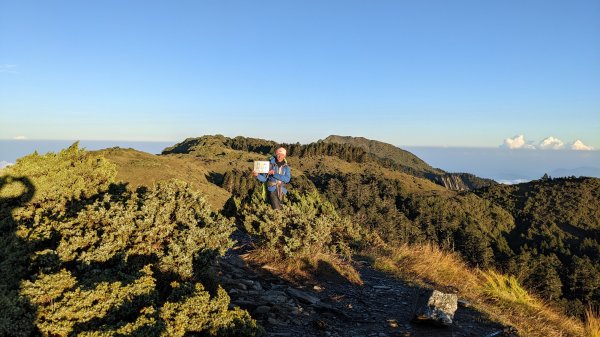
{"x": 424, "y": 73}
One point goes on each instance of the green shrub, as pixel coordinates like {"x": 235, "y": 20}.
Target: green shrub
{"x": 305, "y": 226}
{"x": 81, "y": 255}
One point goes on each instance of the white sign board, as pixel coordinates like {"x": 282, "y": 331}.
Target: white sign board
{"x": 261, "y": 166}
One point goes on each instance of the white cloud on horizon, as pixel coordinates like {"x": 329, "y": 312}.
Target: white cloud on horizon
{"x": 513, "y": 181}
{"x": 517, "y": 142}
{"x": 551, "y": 143}
{"x": 580, "y": 146}
{"x": 4, "y": 163}
{"x": 20, "y": 138}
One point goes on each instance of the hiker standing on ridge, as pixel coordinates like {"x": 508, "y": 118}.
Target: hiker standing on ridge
{"x": 279, "y": 175}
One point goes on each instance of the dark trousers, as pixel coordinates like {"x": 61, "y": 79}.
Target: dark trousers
{"x": 275, "y": 202}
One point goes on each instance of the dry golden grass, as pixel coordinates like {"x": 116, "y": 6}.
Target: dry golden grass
{"x": 140, "y": 168}
{"x": 305, "y": 269}
{"x": 592, "y": 322}
{"x": 496, "y": 295}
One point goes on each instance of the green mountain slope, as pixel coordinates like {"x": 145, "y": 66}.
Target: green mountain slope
{"x": 556, "y": 239}
{"x": 387, "y": 151}
{"x": 407, "y": 162}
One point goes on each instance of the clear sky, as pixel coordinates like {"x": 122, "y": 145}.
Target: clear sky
{"x": 428, "y": 73}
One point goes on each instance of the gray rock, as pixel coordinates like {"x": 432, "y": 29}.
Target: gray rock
{"x": 236, "y": 261}
{"x": 303, "y": 296}
{"x": 248, "y": 283}
{"x": 239, "y": 285}
{"x": 257, "y": 286}
{"x": 274, "y": 297}
{"x": 382, "y": 287}
{"x": 276, "y": 321}
{"x": 262, "y": 310}
{"x": 436, "y": 308}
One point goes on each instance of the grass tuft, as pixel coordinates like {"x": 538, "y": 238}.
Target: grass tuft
{"x": 592, "y": 322}
{"x": 507, "y": 289}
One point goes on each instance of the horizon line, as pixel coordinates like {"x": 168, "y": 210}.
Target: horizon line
{"x": 500, "y": 147}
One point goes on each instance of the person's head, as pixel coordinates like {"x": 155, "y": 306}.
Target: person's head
{"x": 280, "y": 154}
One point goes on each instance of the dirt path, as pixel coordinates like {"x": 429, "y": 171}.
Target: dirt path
{"x": 383, "y": 306}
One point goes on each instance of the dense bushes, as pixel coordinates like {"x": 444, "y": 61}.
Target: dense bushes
{"x": 306, "y": 226}
{"x": 82, "y": 255}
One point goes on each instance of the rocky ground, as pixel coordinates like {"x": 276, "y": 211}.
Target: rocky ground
{"x": 383, "y": 306}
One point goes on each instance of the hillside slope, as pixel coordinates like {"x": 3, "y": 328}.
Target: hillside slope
{"x": 556, "y": 239}
{"x": 143, "y": 169}
{"x": 386, "y": 151}
{"x": 405, "y": 161}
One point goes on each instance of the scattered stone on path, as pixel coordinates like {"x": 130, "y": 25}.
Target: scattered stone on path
{"x": 274, "y": 297}
{"x": 506, "y": 332}
{"x": 262, "y": 310}
{"x": 436, "y": 307}
{"x": 303, "y": 296}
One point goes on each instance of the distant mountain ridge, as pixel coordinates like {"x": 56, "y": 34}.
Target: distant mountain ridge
{"x": 386, "y": 151}
{"x": 577, "y": 172}
{"x": 411, "y": 164}
{"x": 351, "y": 149}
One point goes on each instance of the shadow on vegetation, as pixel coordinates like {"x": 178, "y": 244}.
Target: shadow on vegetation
{"x": 14, "y": 258}
{"x": 17, "y": 264}
{"x": 215, "y": 178}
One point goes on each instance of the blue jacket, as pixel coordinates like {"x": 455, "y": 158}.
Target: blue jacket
{"x": 283, "y": 174}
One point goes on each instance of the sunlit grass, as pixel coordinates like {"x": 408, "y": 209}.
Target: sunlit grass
{"x": 499, "y": 296}
{"x": 592, "y": 322}
{"x": 506, "y": 289}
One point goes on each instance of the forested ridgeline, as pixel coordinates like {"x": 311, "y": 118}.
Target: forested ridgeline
{"x": 546, "y": 232}
{"x": 556, "y": 239}
{"x": 352, "y": 150}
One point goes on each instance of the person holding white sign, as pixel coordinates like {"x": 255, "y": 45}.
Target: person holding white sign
{"x": 278, "y": 175}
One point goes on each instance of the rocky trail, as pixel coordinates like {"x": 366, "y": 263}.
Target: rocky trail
{"x": 383, "y": 306}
